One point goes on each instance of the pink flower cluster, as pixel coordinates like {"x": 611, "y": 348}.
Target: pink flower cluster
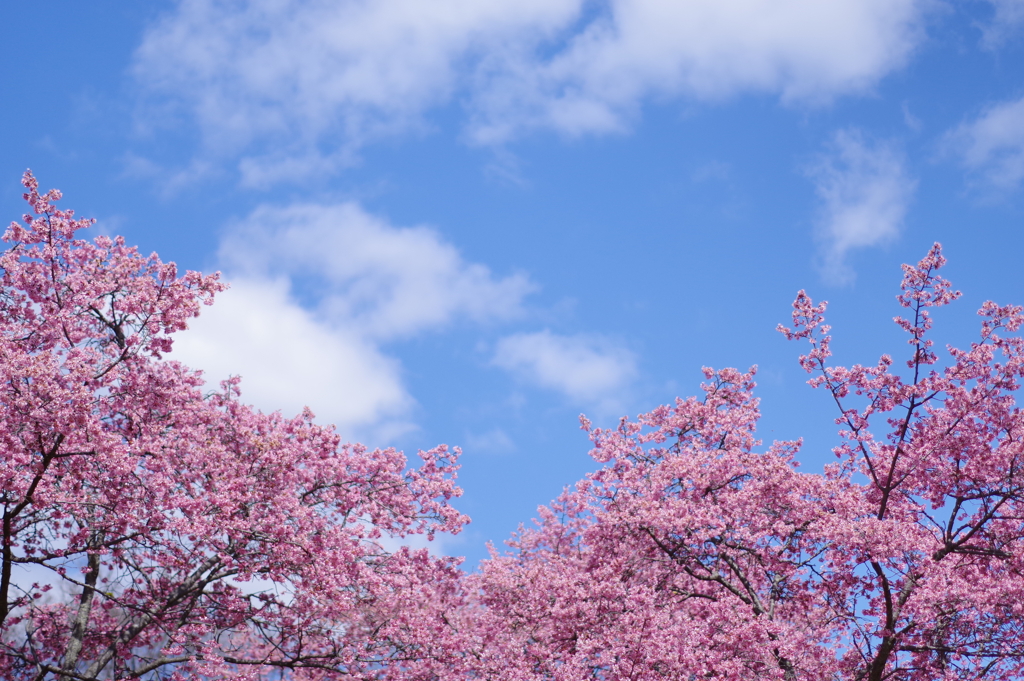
{"x": 695, "y": 553}
{"x": 174, "y": 534}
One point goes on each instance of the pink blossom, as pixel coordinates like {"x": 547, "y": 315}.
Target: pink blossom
{"x": 696, "y": 552}
{"x": 192, "y": 535}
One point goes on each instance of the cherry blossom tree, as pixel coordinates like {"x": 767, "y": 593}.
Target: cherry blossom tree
{"x": 696, "y": 553}
{"x": 154, "y": 530}
{"x": 151, "y": 530}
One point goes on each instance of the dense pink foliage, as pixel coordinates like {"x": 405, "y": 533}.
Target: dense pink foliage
{"x": 171, "y": 533}
{"x": 695, "y": 553}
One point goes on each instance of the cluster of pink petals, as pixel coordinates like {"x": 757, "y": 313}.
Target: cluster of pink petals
{"x": 185, "y": 535}
{"x": 695, "y": 553}
{"x": 176, "y": 534}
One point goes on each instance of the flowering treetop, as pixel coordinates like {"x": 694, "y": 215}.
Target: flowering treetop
{"x": 154, "y": 531}
{"x": 695, "y": 553}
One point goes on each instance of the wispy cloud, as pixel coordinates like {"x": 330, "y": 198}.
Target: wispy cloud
{"x": 1007, "y": 19}
{"x": 291, "y": 88}
{"x": 991, "y": 146}
{"x": 864, "y": 190}
{"x": 588, "y": 369}
{"x": 316, "y": 290}
{"x": 600, "y": 75}
{"x": 493, "y": 441}
{"x": 382, "y": 280}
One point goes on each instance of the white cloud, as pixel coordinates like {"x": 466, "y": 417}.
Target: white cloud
{"x": 315, "y": 291}
{"x": 288, "y": 359}
{"x": 800, "y": 50}
{"x": 297, "y": 72}
{"x": 379, "y": 280}
{"x": 316, "y": 79}
{"x": 865, "y": 191}
{"x": 992, "y": 145}
{"x": 587, "y": 369}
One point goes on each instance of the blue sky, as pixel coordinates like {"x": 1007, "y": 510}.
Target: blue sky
{"x": 468, "y": 221}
